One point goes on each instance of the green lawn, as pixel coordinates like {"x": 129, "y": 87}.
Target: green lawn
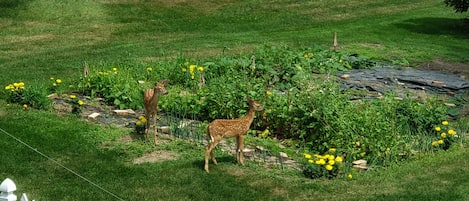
{"x": 45, "y": 38}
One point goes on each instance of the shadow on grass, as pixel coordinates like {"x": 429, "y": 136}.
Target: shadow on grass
{"x": 458, "y": 28}
{"x": 10, "y": 8}
{"x": 220, "y": 159}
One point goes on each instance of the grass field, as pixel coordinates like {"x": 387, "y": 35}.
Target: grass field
{"x": 45, "y": 38}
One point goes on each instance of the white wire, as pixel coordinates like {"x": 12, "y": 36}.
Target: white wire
{"x": 56, "y": 162}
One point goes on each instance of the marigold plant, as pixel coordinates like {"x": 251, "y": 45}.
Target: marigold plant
{"x": 328, "y": 165}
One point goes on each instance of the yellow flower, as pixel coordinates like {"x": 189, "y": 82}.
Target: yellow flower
{"x": 320, "y": 162}
{"x": 435, "y": 143}
{"x": 9, "y": 87}
{"x": 440, "y": 141}
{"x": 451, "y": 132}
{"x": 339, "y": 159}
{"x": 51, "y": 78}
{"x": 80, "y": 102}
{"x": 310, "y": 161}
{"x": 331, "y": 162}
{"x": 143, "y": 119}
{"x": 114, "y": 69}
{"x": 331, "y": 157}
{"x": 329, "y": 167}
{"x": 444, "y": 123}
{"x": 350, "y": 176}
{"x": 307, "y": 156}
{"x": 437, "y": 128}
{"x": 138, "y": 123}
{"x": 58, "y": 81}
{"x": 200, "y": 68}
{"x": 54, "y": 84}
{"x": 332, "y": 150}
{"x": 149, "y": 69}
{"x": 184, "y": 70}
{"x": 192, "y": 67}
{"x": 25, "y": 106}
{"x": 268, "y": 93}
{"x": 73, "y": 96}
{"x": 443, "y": 135}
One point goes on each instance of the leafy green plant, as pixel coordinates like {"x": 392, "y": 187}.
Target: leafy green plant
{"x": 328, "y": 165}
{"x": 31, "y": 96}
{"x": 76, "y": 103}
{"x": 445, "y": 136}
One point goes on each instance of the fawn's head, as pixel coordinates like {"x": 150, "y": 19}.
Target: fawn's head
{"x": 159, "y": 87}
{"x": 254, "y": 104}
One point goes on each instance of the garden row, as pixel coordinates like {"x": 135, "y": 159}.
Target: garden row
{"x": 303, "y": 102}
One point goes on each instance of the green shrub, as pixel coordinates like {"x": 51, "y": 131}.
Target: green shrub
{"x": 28, "y": 96}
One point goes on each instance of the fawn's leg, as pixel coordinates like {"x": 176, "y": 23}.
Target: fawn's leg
{"x": 209, "y": 153}
{"x": 147, "y": 125}
{"x": 155, "y": 132}
{"x": 240, "y": 146}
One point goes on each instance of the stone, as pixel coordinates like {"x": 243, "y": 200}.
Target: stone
{"x": 165, "y": 129}
{"x": 359, "y": 162}
{"x": 260, "y": 148}
{"x": 53, "y": 96}
{"x": 450, "y": 104}
{"x": 94, "y": 115}
{"x": 123, "y": 112}
{"x": 440, "y": 83}
{"x": 248, "y": 152}
{"x": 284, "y": 156}
{"x": 345, "y": 76}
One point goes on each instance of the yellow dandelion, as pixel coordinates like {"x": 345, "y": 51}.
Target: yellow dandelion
{"x": 320, "y": 162}
{"x": 307, "y": 156}
{"x": 435, "y": 143}
{"x": 451, "y": 132}
{"x": 192, "y": 68}
{"x": 73, "y": 96}
{"x": 444, "y": 123}
{"x": 138, "y": 123}
{"x": 149, "y": 69}
{"x": 443, "y": 135}
{"x": 310, "y": 161}
{"x": 440, "y": 141}
{"x": 438, "y": 128}
{"x": 58, "y": 81}
{"x": 51, "y": 78}
{"x": 80, "y": 102}
{"x": 114, "y": 69}
{"x": 329, "y": 167}
{"x": 184, "y": 70}
{"x": 350, "y": 176}
{"x": 331, "y": 162}
{"x": 268, "y": 93}
{"x": 339, "y": 159}
{"x": 54, "y": 84}
{"x": 9, "y": 87}
{"x": 200, "y": 68}
{"x": 331, "y": 157}
{"x": 143, "y": 119}
{"x": 332, "y": 150}
{"x": 25, "y": 106}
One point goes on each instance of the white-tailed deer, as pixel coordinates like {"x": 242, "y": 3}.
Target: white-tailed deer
{"x": 150, "y": 101}
{"x": 225, "y": 128}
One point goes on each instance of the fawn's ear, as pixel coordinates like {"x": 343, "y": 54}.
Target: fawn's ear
{"x": 164, "y": 82}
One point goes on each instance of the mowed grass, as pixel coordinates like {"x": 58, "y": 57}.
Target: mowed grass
{"x": 45, "y": 38}
{"x": 55, "y": 37}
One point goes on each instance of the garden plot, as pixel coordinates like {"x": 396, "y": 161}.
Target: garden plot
{"x": 405, "y": 80}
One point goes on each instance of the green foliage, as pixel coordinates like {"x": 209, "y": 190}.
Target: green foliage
{"x": 459, "y": 6}
{"x": 119, "y": 86}
{"x": 328, "y": 165}
{"x": 30, "y": 96}
{"x": 76, "y": 103}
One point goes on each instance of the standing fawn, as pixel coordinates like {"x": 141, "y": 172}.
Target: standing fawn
{"x": 150, "y": 101}
{"x": 226, "y": 128}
